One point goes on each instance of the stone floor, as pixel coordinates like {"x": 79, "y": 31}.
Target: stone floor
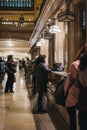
{"x": 15, "y": 109}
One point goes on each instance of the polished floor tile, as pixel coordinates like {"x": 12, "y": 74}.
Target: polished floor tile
{"x": 15, "y": 109}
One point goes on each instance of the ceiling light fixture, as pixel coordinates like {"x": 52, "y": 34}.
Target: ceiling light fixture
{"x": 10, "y": 44}
{"x": 54, "y": 29}
{"x": 42, "y": 40}
{"x": 38, "y": 44}
{"x": 67, "y": 15}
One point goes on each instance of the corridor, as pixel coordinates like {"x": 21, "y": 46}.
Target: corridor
{"x": 15, "y": 110}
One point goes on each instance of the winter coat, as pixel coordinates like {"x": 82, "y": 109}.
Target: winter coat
{"x": 72, "y": 90}
{"x": 42, "y": 77}
{"x": 10, "y": 68}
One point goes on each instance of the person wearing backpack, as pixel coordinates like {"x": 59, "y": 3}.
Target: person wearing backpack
{"x": 82, "y": 97}
{"x": 72, "y": 91}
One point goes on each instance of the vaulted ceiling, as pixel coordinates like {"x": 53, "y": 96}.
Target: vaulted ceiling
{"x": 14, "y": 34}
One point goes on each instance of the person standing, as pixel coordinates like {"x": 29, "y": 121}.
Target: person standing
{"x": 42, "y": 80}
{"x": 82, "y": 98}
{"x": 72, "y": 91}
{"x": 1, "y": 72}
{"x": 10, "y": 70}
{"x": 34, "y": 74}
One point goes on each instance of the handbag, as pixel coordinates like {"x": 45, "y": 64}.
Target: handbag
{"x": 14, "y": 78}
{"x": 59, "y": 93}
{"x": 60, "y": 97}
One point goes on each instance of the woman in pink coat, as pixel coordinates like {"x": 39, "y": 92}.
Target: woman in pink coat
{"x": 73, "y": 90}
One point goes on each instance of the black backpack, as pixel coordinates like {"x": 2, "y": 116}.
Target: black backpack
{"x": 60, "y": 98}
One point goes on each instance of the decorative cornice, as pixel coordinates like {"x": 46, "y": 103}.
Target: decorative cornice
{"x": 50, "y": 8}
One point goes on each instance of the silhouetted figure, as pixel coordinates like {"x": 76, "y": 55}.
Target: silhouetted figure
{"x": 42, "y": 80}
{"x": 10, "y": 70}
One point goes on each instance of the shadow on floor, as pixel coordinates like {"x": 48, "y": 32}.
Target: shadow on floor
{"x": 52, "y": 120}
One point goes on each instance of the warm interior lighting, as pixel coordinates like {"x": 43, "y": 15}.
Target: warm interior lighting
{"x": 10, "y": 44}
{"x": 38, "y": 44}
{"x": 54, "y": 29}
{"x": 42, "y": 40}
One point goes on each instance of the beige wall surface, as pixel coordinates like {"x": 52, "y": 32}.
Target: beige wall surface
{"x": 44, "y": 50}
{"x": 59, "y": 43}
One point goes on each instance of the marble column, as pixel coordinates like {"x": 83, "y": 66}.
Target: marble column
{"x": 66, "y": 47}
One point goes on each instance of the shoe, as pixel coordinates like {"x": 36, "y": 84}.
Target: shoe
{"x": 5, "y": 92}
{"x": 33, "y": 92}
{"x": 42, "y": 111}
{"x": 11, "y": 91}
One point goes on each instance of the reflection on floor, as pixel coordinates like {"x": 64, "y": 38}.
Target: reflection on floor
{"x": 52, "y": 120}
{"x": 16, "y": 114}
{"x": 42, "y": 120}
{"x": 15, "y": 110}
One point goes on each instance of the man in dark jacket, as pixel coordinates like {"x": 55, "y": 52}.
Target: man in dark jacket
{"x": 41, "y": 81}
{"x": 10, "y": 70}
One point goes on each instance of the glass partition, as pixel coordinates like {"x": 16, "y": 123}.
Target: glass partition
{"x": 17, "y": 4}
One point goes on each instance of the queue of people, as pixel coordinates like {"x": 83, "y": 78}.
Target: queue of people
{"x": 8, "y": 67}
{"x": 77, "y": 73}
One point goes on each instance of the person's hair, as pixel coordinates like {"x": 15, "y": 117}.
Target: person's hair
{"x": 82, "y": 50}
{"x": 0, "y": 59}
{"x": 83, "y": 62}
{"x": 41, "y": 59}
{"x": 9, "y": 57}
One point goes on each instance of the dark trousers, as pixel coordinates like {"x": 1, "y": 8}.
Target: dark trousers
{"x": 9, "y": 83}
{"x": 82, "y": 117}
{"x": 34, "y": 85}
{"x": 72, "y": 117}
{"x": 42, "y": 91}
{"x": 40, "y": 107}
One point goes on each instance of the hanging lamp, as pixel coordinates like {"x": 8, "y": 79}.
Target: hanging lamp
{"x": 67, "y": 15}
